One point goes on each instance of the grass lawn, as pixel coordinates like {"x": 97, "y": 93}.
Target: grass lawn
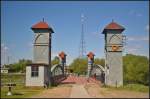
{"x": 131, "y": 87}
{"x": 17, "y": 78}
{"x": 20, "y": 91}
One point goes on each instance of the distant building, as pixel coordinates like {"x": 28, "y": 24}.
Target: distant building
{"x": 4, "y": 70}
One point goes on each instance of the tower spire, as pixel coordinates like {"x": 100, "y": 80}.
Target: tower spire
{"x": 43, "y": 19}
{"x": 82, "y": 50}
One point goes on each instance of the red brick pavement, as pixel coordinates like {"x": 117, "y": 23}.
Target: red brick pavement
{"x": 79, "y": 80}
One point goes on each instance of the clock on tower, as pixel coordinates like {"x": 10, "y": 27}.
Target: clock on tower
{"x": 113, "y": 52}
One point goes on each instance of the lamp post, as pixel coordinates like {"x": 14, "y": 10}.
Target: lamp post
{"x": 62, "y": 56}
{"x": 90, "y": 63}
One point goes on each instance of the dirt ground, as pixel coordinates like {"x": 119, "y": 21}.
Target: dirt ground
{"x": 61, "y": 91}
{"x": 96, "y": 91}
{"x": 74, "y": 87}
{"x": 78, "y": 91}
{"x": 93, "y": 90}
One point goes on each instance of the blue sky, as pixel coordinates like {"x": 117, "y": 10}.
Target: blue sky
{"x": 65, "y": 18}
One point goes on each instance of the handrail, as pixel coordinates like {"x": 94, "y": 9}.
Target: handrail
{"x": 101, "y": 67}
{"x": 54, "y": 66}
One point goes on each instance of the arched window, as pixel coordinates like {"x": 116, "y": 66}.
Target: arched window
{"x": 115, "y": 39}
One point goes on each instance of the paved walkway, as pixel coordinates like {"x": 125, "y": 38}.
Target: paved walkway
{"x": 61, "y": 91}
{"x": 78, "y": 91}
{"x": 79, "y": 80}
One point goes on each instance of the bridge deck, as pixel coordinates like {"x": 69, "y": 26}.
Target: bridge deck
{"x": 79, "y": 80}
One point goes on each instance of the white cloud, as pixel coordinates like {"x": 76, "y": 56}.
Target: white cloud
{"x": 54, "y": 54}
{"x": 4, "y": 47}
{"x": 139, "y": 14}
{"x": 69, "y": 59}
{"x": 147, "y": 28}
{"x": 30, "y": 44}
{"x": 4, "y": 53}
{"x": 2, "y": 44}
{"x": 138, "y": 38}
{"x": 137, "y": 49}
{"x": 131, "y": 50}
{"x": 95, "y": 33}
{"x": 133, "y": 12}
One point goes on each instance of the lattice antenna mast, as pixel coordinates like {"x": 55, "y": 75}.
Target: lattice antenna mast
{"x": 82, "y": 49}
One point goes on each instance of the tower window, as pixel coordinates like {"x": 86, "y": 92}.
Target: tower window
{"x": 34, "y": 71}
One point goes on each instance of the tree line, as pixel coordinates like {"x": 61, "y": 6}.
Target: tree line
{"x": 135, "y": 67}
{"x": 20, "y": 66}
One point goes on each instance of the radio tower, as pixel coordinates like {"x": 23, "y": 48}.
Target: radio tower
{"x": 82, "y": 49}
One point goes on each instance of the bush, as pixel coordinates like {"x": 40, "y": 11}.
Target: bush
{"x": 136, "y": 69}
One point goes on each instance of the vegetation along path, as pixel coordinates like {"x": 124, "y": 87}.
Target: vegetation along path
{"x": 61, "y": 91}
{"x": 97, "y": 91}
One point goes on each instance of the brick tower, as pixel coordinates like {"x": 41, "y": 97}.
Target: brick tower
{"x": 113, "y": 52}
{"x": 39, "y": 72}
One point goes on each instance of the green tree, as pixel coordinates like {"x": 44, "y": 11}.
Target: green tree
{"x": 79, "y": 65}
{"x": 19, "y": 66}
{"x": 99, "y": 61}
{"x": 136, "y": 69}
{"x": 55, "y": 60}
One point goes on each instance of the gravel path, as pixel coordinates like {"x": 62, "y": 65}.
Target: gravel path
{"x": 78, "y": 87}
{"x": 56, "y": 92}
{"x": 78, "y": 91}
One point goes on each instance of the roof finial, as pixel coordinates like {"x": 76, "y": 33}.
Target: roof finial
{"x": 43, "y": 19}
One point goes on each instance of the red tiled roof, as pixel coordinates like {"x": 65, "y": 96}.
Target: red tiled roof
{"x": 41, "y": 25}
{"x": 114, "y": 25}
{"x": 90, "y": 54}
{"x": 62, "y": 54}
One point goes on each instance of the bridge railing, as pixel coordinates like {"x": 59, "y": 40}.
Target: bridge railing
{"x": 98, "y": 74}
{"x": 57, "y": 74}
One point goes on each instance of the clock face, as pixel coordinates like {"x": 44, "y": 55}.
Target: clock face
{"x": 115, "y": 47}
